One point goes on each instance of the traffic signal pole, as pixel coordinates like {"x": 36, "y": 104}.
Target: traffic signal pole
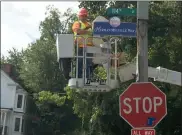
{"x": 142, "y": 41}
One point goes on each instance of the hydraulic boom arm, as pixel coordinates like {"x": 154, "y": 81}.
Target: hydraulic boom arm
{"x": 127, "y": 71}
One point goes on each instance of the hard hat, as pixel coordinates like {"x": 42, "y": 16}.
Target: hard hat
{"x": 83, "y": 12}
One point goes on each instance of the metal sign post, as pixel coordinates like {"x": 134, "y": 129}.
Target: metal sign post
{"x": 142, "y": 41}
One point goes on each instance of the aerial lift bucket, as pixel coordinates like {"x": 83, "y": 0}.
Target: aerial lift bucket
{"x": 101, "y": 56}
{"x": 66, "y": 49}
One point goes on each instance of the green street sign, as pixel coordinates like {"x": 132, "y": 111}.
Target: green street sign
{"x": 121, "y": 12}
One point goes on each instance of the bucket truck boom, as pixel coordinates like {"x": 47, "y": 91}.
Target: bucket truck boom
{"x": 160, "y": 74}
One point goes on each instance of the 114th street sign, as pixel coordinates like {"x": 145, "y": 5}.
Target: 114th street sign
{"x": 121, "y": 12}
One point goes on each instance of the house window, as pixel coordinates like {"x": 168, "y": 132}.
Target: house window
{"x": 17, "y": 124}
{"x": 20, "y": 101}
{"x": 22, "y": 126}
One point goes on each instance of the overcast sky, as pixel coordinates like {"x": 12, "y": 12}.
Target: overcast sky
{"x": 20, "y": 22}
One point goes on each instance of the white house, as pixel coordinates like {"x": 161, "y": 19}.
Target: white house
{"x": 13, "y": 104}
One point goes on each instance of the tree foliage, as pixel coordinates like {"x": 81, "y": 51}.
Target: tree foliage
{"x": 73, "y": 112}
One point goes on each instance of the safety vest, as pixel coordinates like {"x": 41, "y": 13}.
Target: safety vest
{"x": 81, "y": 40}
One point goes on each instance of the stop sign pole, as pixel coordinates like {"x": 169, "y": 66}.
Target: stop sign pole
{"x": 142, "y": 105}
{"x": 142, "y": 41}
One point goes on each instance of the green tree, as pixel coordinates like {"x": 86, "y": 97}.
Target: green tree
{"x": 15, "y": 59}
{"x": 99, "y": 112}
{"x": 41, "y": 74}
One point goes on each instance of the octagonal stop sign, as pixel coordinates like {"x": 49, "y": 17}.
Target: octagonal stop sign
{"x": 143, "y": 105}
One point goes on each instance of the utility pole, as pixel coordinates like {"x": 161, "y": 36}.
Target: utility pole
{"x": 142, "y": 41}
{"x": 181, "y": 70}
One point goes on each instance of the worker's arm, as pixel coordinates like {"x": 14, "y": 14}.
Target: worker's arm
{"x": 76, "y": 28}
{"x": 90, "y": 31}
{"x": 89, "y": 28}
{"x": 80, "y": 32}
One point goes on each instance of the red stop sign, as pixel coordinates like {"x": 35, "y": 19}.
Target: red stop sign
{"x": 143, "y": 105}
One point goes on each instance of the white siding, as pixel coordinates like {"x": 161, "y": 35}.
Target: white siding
{"x": 9, "y": 119}
{"x": 10, "y": 123}
{"x": 7, "y": 92}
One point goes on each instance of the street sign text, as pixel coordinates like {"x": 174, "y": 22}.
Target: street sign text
{"x": 121, "y": 12}
{"x": 124, "y": 29}
{"x": 146, "y": 104}
{"x": 143, "y": 132}
{"x": 143, "y": 105}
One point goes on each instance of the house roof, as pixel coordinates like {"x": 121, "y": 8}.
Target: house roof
{"x": 10, "y": 79}
{"x": 7, "y": 77}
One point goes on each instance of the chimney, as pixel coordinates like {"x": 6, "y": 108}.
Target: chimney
{"x": 7, "y": 68}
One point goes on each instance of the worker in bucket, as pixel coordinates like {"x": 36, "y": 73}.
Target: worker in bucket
{"x": 83, "y": 29}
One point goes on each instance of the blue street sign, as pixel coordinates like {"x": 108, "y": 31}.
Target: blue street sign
{"x": 125, "y": 29}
